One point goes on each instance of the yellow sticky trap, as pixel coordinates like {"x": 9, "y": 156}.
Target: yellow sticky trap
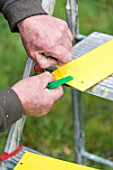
{"x": 90, "y": 68}
{"x": 32, "y": 161}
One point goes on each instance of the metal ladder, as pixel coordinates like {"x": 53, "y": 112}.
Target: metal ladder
{"x": 103, "y": 89}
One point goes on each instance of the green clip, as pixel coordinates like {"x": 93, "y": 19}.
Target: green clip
{"x": 59, "y": 82}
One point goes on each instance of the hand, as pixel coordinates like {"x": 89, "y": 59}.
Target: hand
{"x": 45, "y": 34}
{"x": 36, "y": 99}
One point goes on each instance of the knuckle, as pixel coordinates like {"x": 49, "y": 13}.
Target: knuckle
{"x": 64, "y": 23}
{"x": 48, "y": 43}
{"x": 62, "y": 28}
{"x": 62, "y": 34}
{"x": 66, "y": 60}
{"x": 42, "y": 65}
{"x": 47, "y": 74}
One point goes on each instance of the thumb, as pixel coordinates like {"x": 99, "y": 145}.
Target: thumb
{"x": 57, "y": 93}
{"x": 46, "y": 78}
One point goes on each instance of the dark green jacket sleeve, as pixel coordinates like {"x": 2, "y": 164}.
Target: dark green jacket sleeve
{"x": 10, "y": 108}
{"x": 17, "y": 10}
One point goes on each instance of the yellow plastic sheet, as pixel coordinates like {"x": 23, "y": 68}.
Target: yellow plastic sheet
{"x": 90, "y": 68}
{"x": 32, "y": 161}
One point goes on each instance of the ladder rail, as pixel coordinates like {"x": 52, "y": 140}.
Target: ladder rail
{"x": 73, "y": 19}
{"x": 48, "y": 6}
{"x": 73, "y": 23}
{"x": 17, "y": 128}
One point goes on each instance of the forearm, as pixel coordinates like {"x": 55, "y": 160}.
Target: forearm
{"x": 16, "y": 10}
{"x": 11, "y": 108}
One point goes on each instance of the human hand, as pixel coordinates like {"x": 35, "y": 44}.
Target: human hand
{"x": 36, "y": 99}
{"x": 43, "y": 34}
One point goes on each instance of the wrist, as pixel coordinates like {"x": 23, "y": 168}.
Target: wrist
{"x": 20, "y": 96}
{"x": 19, "y": 10}
{"x": 27, "y": 22}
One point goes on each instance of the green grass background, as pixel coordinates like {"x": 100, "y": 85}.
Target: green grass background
{"x": 53, "y": 133}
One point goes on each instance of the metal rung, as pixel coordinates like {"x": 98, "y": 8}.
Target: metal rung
{"x": 97, "y": 159}
{"x": 12, "y": 162}
{"x": 103, "y": 89}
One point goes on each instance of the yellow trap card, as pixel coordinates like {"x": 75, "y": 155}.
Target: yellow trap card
{"x": 31, "y": 161}
{"x": 90, "y": 68}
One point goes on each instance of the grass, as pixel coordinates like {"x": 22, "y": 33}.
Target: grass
{"x": 53, "y": 133}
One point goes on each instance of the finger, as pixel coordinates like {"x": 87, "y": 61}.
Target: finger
{"x": 69, "y": 34}
{"x": 43, "y": 61}
{"x": 67, "y": 30}
{"x": 61, "y": 54}
{"x": 67, "y": 43}
{"x": 46, "y": 78}
{"x": 60, "y": 63}
{"x": 57, "y": 93}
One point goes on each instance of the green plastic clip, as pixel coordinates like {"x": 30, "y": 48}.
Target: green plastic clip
{"x": 59, "y": 82}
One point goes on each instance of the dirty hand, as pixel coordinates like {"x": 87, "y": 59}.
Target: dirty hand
{"x": 43, "y": 34}
{"x": 36, "y": 99}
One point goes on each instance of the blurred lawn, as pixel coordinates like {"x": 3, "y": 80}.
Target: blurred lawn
{"x": 53, "y": 133}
